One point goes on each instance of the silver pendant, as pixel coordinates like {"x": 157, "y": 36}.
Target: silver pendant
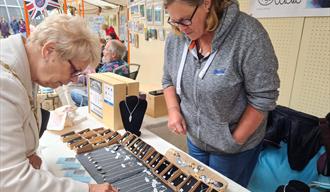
{"x": 130, "y": 118}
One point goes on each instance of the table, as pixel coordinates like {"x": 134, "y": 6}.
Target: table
{"x": 51, "y": 147}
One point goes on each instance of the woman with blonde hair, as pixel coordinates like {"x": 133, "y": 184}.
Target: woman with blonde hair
{"x": 220, "y": 80}
{"x": 56, "y": 52}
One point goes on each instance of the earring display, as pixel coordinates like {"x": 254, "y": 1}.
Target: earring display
{"x": 201, "y": 187}
{"x": 162, "y": 166}
{"x": 169, "y": 172}
{"x": 178, "y": 179}
{"x": 189, "y": 185}
{"x": 117, "y": 165}
{"x": 88, "y": 140}
{"x": 156, "y": 160}
{"x": 145, "y": 151}
{"x": 130, "y": 164}
{"x": 200, "y": 172}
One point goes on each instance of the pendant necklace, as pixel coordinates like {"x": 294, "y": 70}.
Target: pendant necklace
{"x": 131, "y": 112}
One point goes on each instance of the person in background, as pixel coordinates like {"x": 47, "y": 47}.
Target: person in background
{"x": 54, "y": 54}
{"x": 79, "y": 94}
{"x": 14, "y": 25}
{"x": 112, "y": 62}
{"x": 22, "y": 27}
{"x": 220, "y": 80}
{"x": 110, "y": 32}
{"x": 4, "y": 27}
{"x": 103, "y": 42}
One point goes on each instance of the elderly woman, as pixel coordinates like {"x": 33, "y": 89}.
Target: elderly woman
{"x": 220, "y": 80}
{"x": 54, "y": 54}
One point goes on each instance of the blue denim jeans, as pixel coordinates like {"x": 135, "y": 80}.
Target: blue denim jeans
{"x": 238, "y": 167}
{"x": 79, "y": 97}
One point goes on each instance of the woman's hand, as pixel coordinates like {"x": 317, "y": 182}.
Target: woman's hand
{"x": 105, "y": 187}
{"x": 35, "y": 161}
{"x": 176, "y": 122}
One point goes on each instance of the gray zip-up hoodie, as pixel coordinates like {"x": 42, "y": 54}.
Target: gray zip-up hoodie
{"x": 244, "y": 71}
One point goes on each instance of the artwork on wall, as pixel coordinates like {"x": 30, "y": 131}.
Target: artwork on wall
{"x": 166, "y": 13}
{"x": 131, "y": 38}
{"x": 135, "y": 10}
{"x": 142, "y": 9}
{"x": 153, "y": 34}
{"x": 158, "y": 14}
{"x": 140, "y": 28}
{"x": 136, "y": 40}
{"x": 161, "y": 34}
{"x": 149, "y": 14}
{"x": 146, "y": 34}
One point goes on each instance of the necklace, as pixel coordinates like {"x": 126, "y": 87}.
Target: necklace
{"x": 131, "y": 112}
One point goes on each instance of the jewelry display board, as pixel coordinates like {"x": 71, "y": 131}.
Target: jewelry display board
{"x": 130, "y": 164}
{"x": 88, "y": 140}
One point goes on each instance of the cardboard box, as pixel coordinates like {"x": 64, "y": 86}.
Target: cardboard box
{"x": 156, "y": 104}
{"x": 105, "y": 92}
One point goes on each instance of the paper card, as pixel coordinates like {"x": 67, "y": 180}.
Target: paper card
{"x": 84, "y": 178}
{"x": 108, "y": 94}
{"x": 70, "y": 166}
{"x": 76, "y": 172}
{"x": 56, "y": 120}
{"x": 65, "y": 160}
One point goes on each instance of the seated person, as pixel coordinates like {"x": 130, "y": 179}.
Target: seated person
{"x": 112, "y": 60}
{"x": 80, "y": 95}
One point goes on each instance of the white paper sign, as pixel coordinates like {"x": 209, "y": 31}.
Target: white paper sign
{"x": 96, "y": 97}
{"x": 108, "y": 94}
{"x": 289, "y": 8}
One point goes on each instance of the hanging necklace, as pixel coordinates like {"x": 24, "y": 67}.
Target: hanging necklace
{"x": 131, "y": 112}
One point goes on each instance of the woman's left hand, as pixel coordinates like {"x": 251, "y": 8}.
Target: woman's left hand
{"x": 35, "y": 161}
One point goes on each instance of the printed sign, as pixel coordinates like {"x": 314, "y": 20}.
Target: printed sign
{"x": 108, "y": 94}
{"x": 289, "y": 8}
{"x": 96, "y": 97}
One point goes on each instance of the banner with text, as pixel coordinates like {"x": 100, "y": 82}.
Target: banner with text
{"x": 289, "y": 8}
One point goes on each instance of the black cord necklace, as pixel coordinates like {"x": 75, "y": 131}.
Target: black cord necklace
{"x": 131, "y": 112}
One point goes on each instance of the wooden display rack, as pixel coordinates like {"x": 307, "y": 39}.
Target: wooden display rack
{"x": 89, "y": 140}
{"x": 175, "y": 169}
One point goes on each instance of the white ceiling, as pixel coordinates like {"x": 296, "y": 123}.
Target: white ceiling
{"x": 91, "y": 6}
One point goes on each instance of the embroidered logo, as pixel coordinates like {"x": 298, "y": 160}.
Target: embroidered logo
{"x": 219, "y": 72}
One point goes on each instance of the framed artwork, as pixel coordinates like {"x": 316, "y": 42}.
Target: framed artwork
{"x": 135, "y": 10}
{"x": 146, "y": 34}
{"x": 161, "y": 34}
{"x": 166, "y": 13}
{"x": 142, "y": 6}
{"x": 158, "y": 14}
{"x": 149, "y": 14}
{"x": 140, "y": 28}
{"x": 153, "y": 34}
{"x": 136, "y": 40}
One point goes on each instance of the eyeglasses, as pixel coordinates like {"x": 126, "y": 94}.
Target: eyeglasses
{"x": 183, "y": 22}
{"x": 74, "y": 71}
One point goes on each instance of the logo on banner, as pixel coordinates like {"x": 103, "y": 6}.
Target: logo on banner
{"x": 38, "y": 7}
{"x": 278, "y": 2}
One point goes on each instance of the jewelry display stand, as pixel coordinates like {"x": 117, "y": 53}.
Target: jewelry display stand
{"x": 88, "y": 140}
{"x": 132, "y": 165}
{"x": 132, "y": 111}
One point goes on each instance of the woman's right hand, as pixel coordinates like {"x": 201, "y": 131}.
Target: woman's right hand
{"x": 104, "y": 187}
{"x": 176, "y": 122}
